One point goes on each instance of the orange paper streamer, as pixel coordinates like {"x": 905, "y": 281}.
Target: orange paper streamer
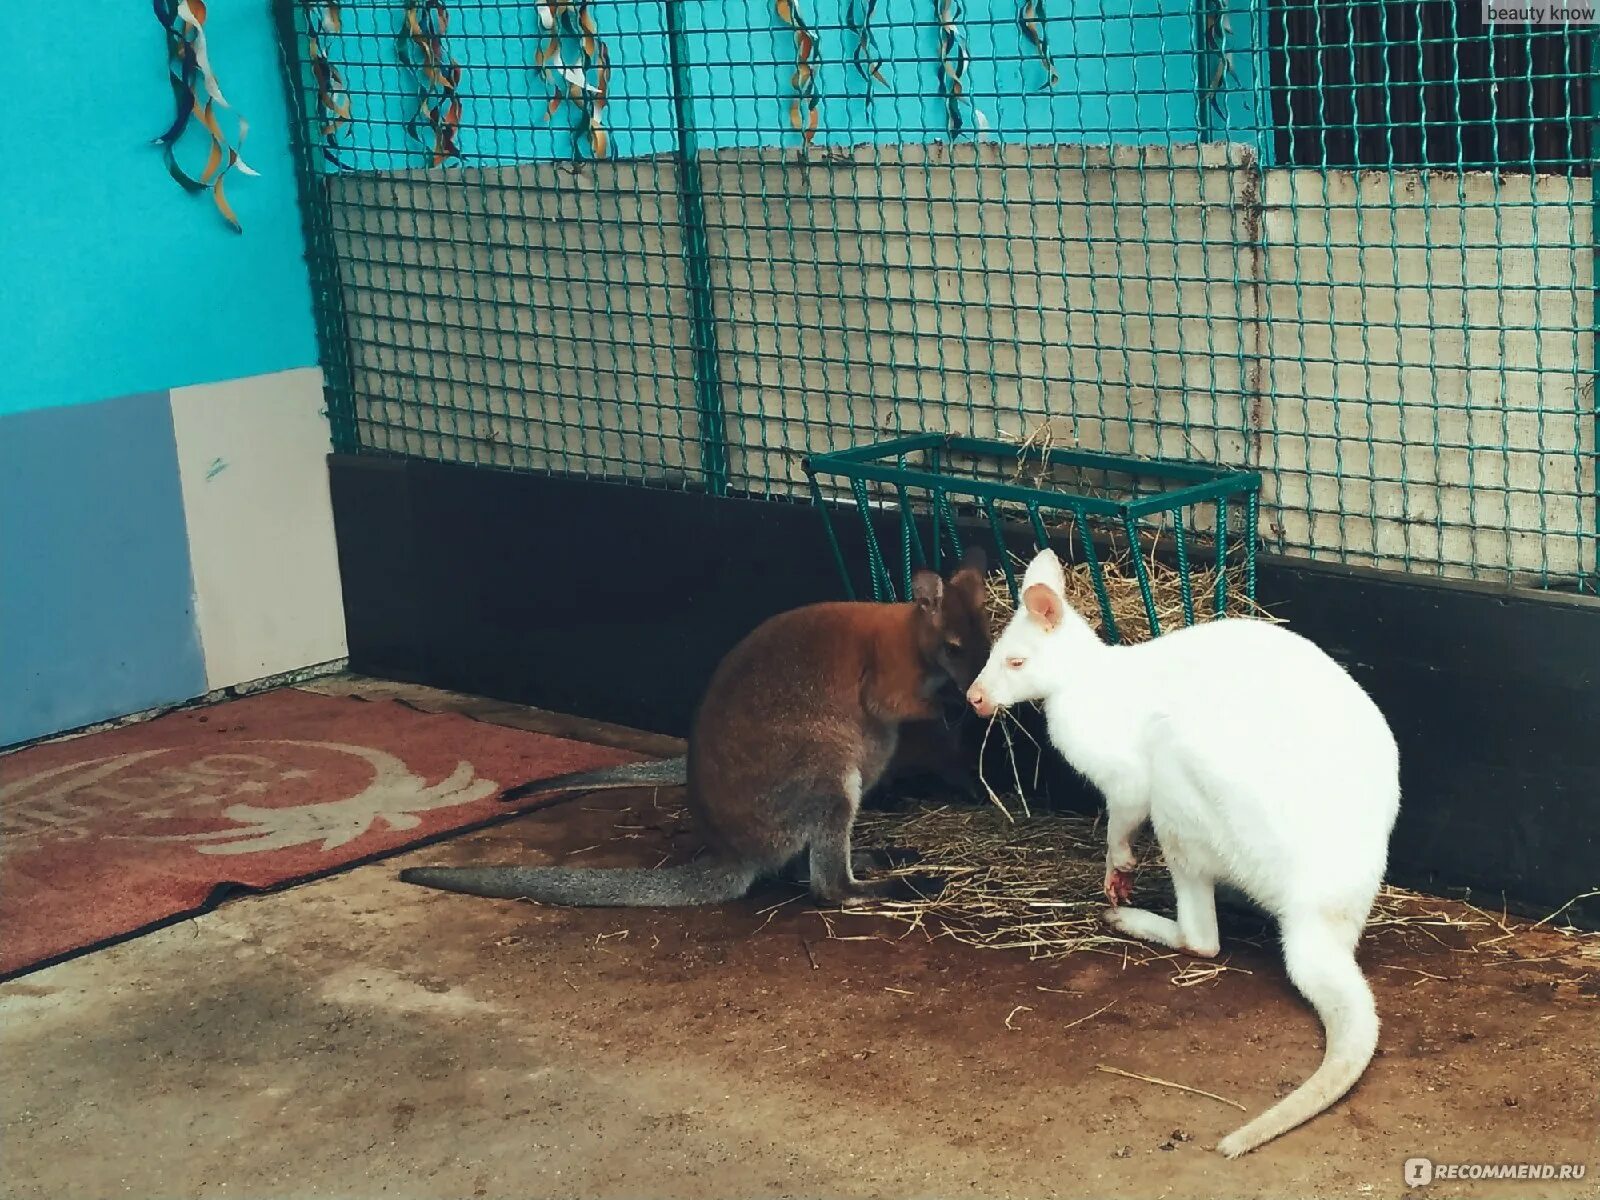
{"x": 803, "y": 114}
{"x": 333, "y": 102}
{"x": 421, "y": 47}
{"x": 572, "y": 21}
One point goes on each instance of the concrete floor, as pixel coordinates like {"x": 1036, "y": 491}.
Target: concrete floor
{"x": 357, "y": 1037}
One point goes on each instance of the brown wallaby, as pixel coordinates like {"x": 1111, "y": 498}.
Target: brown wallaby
{"x": 799, "y": 721}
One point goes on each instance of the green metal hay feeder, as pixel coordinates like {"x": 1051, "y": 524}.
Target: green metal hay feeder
{"x": 933, "y": 476}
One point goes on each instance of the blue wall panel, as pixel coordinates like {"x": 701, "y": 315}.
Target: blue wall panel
{"x": 96, "y": 599}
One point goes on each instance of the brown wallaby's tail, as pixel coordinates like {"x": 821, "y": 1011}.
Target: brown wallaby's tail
{"x": 599, "y": 887}
{"x": 666, "y": 772}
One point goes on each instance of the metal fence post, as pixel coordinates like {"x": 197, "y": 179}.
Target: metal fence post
{"x": 322, "y": 260}
{"x": 697, "y": 262}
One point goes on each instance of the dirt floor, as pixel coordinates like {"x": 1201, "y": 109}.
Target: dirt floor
{"x": 357, "y": 1037}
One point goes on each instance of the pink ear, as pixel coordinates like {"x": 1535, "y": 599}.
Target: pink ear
{"x": 1044, "y": 605}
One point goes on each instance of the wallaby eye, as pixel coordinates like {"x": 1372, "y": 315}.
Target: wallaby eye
{"x": 1015, "y": 663}
{"x": 952, "y": 644}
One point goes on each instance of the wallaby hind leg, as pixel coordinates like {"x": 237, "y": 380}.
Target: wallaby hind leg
{"x": 833, "y": 882}
{"x": 1195, "y": 930}
{"x": 832, "y": 879}
{"x": 862, "y": 862}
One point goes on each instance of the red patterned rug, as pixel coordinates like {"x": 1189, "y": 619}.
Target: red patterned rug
{"x": 116, "y": 833}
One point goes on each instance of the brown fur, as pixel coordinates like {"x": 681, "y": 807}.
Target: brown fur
{"x": 800, "y": 719}
{"x": 763, "y": 720}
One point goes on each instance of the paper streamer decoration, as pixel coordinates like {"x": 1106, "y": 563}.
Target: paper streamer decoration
{"x": 803, "y": 109}
{"x": 566, "y": 83}
{"x": 1217, "y": 30}
{"x": 593, "y": 128}
{"x": 421, "y": 47}
{"x": 954, "y": 59}
{"x": 1030, "y": 19}
{"x": 574, "y": 21}
{"x": 868, "y": 59}
{"x": 188, "y": 64}
{"x": 333, "y": 102}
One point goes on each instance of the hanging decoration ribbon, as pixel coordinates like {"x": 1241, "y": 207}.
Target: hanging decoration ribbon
{"x": 868, "y": 58}
{"x": 420, "y": 45}
{"x": 1030, "y": 19}
{"x": 803, "y": 109}
{"x": 954, "y": 59}
{"x": 574, "y": 21}
{"x": 188, "y": 64}
{"x": 1217, "y": 30}
{"x": 593, "y": 129}
{"x": 333, "y": 102}
{"x": 566, "y": 83}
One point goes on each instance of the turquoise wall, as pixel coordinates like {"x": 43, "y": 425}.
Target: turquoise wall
{"x": 1128, "y": 75}
{"x": 113, "y": 281}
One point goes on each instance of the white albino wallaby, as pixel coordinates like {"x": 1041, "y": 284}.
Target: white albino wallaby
{"x": 1259, "y": 762}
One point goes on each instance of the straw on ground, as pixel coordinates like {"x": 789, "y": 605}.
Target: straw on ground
{"x": 1167, "y": 1083}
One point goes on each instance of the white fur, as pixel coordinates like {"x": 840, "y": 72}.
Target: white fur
{"x": 1260, "y": 763}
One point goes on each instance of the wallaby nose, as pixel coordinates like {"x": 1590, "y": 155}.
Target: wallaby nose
{"x": 979, "y": 699}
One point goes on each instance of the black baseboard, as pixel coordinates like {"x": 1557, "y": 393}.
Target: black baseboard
{"x": 1493, "y": 695}
{"x": 616, "y": 602}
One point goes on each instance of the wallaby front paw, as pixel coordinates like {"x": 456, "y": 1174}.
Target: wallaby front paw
{"x": 1119, "y": 886}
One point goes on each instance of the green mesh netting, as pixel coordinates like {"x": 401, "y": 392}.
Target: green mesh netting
{"x": 686, "y": 242}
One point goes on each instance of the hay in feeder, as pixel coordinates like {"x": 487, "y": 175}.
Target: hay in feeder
{"x": 1127, "y": 601}
{"x": 1119, "y": 570}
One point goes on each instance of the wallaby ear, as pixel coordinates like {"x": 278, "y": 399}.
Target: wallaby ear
{"x": 1046, "y": 569}
{"x": 968, "y": 578}
{"x": 927, "y": 590}
{"x": 1044, "y": 605}
{"x": 971, "y": 586}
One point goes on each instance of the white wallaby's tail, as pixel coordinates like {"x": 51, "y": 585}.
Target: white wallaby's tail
{"x": 1322, "y": 964}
